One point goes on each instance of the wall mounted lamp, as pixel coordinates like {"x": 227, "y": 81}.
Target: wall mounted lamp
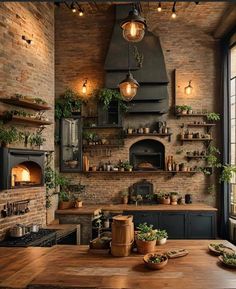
{"x": 188, "y": 89}
{"x": 27, "y": 40}
{"x": 84, "y": 87}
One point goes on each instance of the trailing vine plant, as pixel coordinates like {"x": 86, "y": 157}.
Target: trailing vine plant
{"x": 107, "y": 95}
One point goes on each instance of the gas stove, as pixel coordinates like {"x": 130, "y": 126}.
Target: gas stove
{"x": 43, "y": 238}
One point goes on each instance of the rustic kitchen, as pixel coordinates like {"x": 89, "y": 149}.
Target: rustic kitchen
{"x": 117, "y": 144}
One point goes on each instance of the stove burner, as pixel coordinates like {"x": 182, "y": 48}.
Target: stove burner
{"x": 43, "y": 238}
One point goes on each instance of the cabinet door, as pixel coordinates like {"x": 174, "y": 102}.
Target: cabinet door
{"x": 71, "y": 145}
{"x": 149, "y": 217}
{"x": 201, "y": 225}
{"x": 174, "y": 224}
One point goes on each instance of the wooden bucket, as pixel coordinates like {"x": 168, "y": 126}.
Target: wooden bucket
{"x": 121, "y": 250}
{"x": 122, "y": 235}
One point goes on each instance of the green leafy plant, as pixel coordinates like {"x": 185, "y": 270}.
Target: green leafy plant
{"x": 64, "y": 196}
{"x": 180, "y": 108}
{"x": 161, "y": 234}
{"x": 36, "y": 139}
{"x": 227, "y": 173}
{"x": 139, "y": 57}
{"x": 146, "y": 232}
{"x": 67, "y": 103}
{"x": 39, "y": 100}
{"x": 127, "y": 166}
{"x": 107, "y": 95}
{"x": 212, "y": 116}
{"x": 8, "y": 135}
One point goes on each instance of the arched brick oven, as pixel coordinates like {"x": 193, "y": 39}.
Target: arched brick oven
{"x": 147, "y": 154}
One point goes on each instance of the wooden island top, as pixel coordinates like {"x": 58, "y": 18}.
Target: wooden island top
{"x": 67, "y": 266}
{"x": 95, "y": 209}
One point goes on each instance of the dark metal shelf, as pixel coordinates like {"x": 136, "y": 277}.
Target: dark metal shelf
{"x": 150, "y": 134}
{"x": 25, "y": 103}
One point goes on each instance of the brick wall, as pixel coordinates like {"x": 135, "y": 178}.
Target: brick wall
{"x": 27, "y": 69}
{"x": 188, "y": 47}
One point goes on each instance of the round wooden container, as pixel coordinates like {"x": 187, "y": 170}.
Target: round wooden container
{"x": 122, "y": 235}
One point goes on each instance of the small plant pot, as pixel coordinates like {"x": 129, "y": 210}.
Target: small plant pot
{"x": 65, "y": 205}
{"x": 94, "y": 168}
{"x": 165, "y": 201}
{"x": 184, "y": 112}
{"x": 130, "y": 170}
{"x": 121, "y": 169}
{"x": 103, "y": 141}
{"x": 146, "y": 130}
{"x": 78, "y": 204}
{"x": 125, "y": 200}
{"x": 129, "y": 130}
{"x": 174, "y": 203}
{"x": 189, "y": 136}
{"x": 162, "y": 241}
{"x": 190, "y": 111}
{"x": 145, "y": 247}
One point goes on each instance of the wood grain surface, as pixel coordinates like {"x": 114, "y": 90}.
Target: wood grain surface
{"x": 74, "y": 267}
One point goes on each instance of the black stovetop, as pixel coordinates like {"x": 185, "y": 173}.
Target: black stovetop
{"x": 43, "y": 238}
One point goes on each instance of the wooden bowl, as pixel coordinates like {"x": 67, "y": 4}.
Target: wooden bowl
{"x": 155, "y": 266}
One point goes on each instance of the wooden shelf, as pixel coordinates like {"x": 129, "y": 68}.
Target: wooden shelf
{"x": 196, "y": 139}
{"x": 199, "y": 125}
{"x": 191, "y": 115}
{"x": 25, "y": 103}
{"x": 94, "y": 147}
{"x": 141, "y": 172}
{"x": 26, "y": 121}
{"x": 128, "y": 135}
{"x": 102, "y": 127}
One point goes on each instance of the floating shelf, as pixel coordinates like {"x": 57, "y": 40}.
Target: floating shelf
{"x": 189, "y": 157}
{"x": 102, "y": 127}
{"x": 94, "y": 147}
{"x": 150, "y": 134}
{"x": 26, "y": 121}
{"x": 196, "y": 139}
{"x": 191, "y": 115}
{"x": 141, "y": 172}
{"x": 200, "y": 125}
{"x": 25, "y": 103}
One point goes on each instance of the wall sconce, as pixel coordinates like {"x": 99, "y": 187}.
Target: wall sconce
{"x": 84, "y": 87}
{"x": 27, "y": 40}
{"x": 188, "y": 89}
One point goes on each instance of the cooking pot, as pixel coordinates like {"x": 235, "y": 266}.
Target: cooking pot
{"x": 18, "y": 231}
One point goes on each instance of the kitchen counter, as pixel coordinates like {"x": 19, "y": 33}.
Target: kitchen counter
{"x": 96, "y": 209}
{"x": 68, "y": 266}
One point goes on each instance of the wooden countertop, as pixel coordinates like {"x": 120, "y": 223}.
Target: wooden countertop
{"x": 95, "y": 209}
{"x": 69, "y": 266}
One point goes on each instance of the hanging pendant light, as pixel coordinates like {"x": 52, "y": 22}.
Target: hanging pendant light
{"x": 129, "y": 86}
{"x": 133, "y": 26}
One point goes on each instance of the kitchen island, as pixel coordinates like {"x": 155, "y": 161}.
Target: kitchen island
{"x": 75, "y": 267}
{"x": 189, "y": 221}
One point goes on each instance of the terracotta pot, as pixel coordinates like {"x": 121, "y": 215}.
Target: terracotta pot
{"x": 184, "y": 111}
{"x": 145, "y": 247}
{"x": 65, "y": 205}
{"x": 94, "y": 168}
{"x": 78, "y": 204}
{"x": 130, "y": 130}
{"x": 146, "y": 130}
{"x": 125, "y": 200}
{"x": 165, "y": 201}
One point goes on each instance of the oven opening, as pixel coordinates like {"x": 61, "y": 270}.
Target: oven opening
{"x": 26, "y": 174}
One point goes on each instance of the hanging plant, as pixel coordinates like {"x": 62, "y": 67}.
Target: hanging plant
{"x": 67, "y": 103}
{"x": 227, "y": 173}
{"x": 139, "y": 57}
{"x": 107, "y": 95}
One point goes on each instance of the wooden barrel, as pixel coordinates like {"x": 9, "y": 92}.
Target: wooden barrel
{"x": 122, "y": 235}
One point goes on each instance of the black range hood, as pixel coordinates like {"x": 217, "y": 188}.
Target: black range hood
{"x": 152, "y": 96}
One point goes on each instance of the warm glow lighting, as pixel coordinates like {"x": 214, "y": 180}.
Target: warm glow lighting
{"x": 133, "y": 27}
{"x": 21, "y": 173}
{"x": 159, "y": 7}
{"x": 128, "y": 87}
{"x": 173, "y": 15}
{"x": 81, "y": 13}
{"x": 84, "y": 87}
{"x": 188, "y": 89}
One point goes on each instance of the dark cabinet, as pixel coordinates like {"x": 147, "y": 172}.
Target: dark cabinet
{"x": 179, "y": 225}
{"x": 174, "y": 224}
{"x": 201, "y": 225}
{"x": 71, "y": 144}
{"x": 144, "y": 217}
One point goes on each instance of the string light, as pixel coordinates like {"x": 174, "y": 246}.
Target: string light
{"x": 159, "y": 7}
{"x": 174, "y": 15}
{"x": 72, "y": 7}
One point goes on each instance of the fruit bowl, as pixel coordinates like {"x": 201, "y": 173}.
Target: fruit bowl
{"x": 155, "y": 261}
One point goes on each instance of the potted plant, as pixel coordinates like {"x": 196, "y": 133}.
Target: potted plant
{"x": 136, "y": 199}
{"x": 174, "y": 198}
{"x": 227, "y": 173}
{"x": 65, "y": 201}
{"x": 165, "y": 199}
{"x": 8, "y": 135}
{"x": 107, "y": 95}
{"x": 212, "y": 116}
{"x": 37, "y": 140}
{"x": 146, "y": 238}
{"x": 161, "y": 237}
{"x": 124, "y": 197}
{"x": 76, "y": 191}
{"x": 127, "y": 166}
{"x": 183, "y": 109}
